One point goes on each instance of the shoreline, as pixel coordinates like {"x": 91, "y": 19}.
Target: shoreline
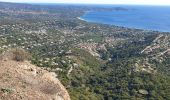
{"x": 79, "y": 18}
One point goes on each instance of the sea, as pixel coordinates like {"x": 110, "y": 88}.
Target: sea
{"x": 155, "y": 18}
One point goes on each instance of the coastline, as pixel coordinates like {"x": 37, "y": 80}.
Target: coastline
{"x": 138, "y": 24}
{"x": 81, "y": 19}
{"x": 147, "y": 30}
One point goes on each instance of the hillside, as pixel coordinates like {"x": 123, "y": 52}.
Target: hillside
{"x": 22, "y": 80}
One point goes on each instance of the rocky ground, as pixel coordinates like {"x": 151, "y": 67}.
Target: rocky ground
{"x": 24, "y": 81}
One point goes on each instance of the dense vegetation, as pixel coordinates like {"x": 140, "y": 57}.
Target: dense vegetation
{"x": 115, "y": 80}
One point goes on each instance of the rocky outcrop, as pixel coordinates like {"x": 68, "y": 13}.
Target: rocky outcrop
{"x": 24, "y": 81}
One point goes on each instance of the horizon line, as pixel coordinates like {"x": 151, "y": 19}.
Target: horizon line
{"x": 44, "y": 3}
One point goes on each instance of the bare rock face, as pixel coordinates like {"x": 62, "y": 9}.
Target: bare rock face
{"x": 24, "y": 81}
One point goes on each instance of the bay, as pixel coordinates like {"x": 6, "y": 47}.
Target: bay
{"x": 156, "y": 18}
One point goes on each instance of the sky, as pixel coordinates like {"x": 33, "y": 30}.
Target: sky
{"x": 139, "y": 2}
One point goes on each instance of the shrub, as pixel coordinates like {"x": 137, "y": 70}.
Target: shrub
{"x": 19, "y": 54}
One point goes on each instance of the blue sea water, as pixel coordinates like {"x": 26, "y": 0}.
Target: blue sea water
{"x": 155, "y": 18}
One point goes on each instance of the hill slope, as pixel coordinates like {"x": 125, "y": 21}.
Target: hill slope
{"x": 22, "y": 80}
